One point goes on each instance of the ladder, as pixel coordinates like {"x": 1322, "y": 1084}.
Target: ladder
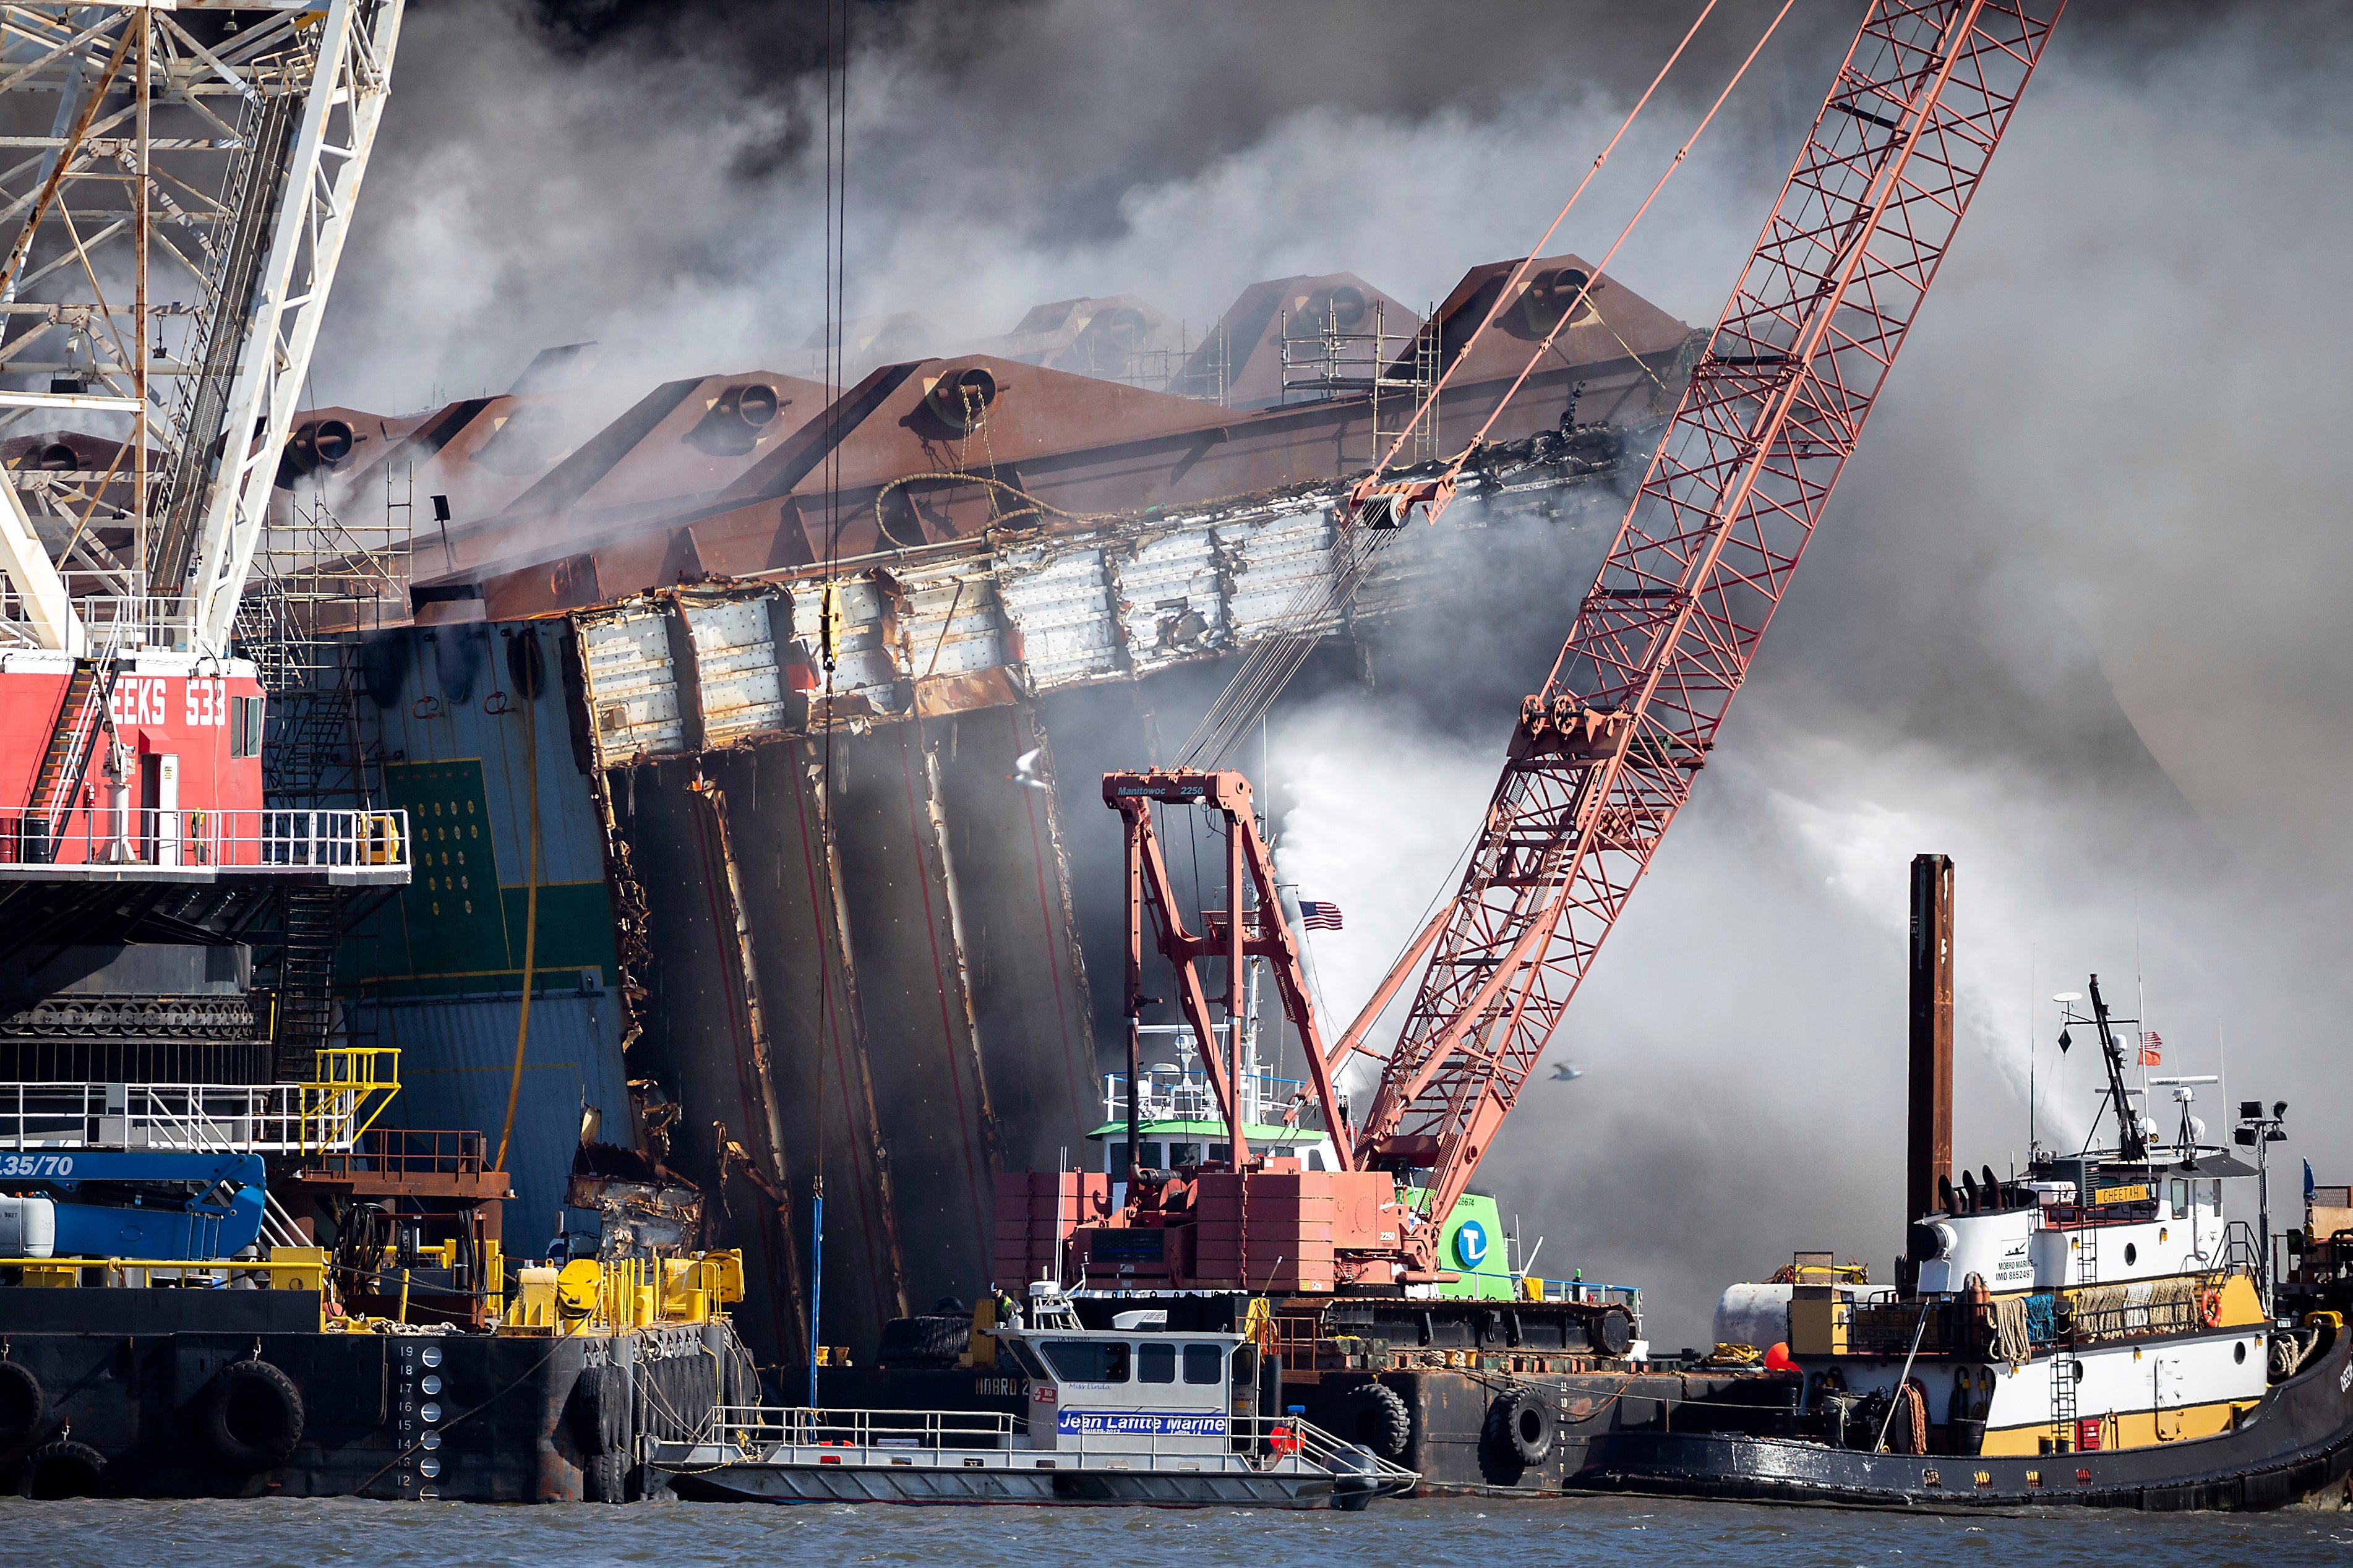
{"x": 67, "y": 757}
{"x": 2065, "y": 1367}
{"x": 306, "y": 974}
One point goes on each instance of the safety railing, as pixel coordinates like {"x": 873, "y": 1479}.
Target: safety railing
{"x": 407, "y": 1153}
{"x": 1257, "y": 1442}
{"x": 354, "y": 1085}
{"x": 1174, "y": 1094}
{"x": 1588, "y": 1293}
{"x": 363, "y": 845}
{"x": 750, "y": 1425}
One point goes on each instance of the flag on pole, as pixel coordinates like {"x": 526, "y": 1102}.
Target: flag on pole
{"x": 2152, "y": 1049}
{"x": 1318, "y": 915}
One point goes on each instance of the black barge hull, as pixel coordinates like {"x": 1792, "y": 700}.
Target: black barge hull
{"x": 171, "y": 1394}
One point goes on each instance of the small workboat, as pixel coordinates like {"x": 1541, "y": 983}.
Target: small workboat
{"x": 1136, "y": 1414}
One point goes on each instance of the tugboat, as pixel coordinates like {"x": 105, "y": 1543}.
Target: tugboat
{"x": 1135, "y": 1414}
{"x": 2089, "y": 1331}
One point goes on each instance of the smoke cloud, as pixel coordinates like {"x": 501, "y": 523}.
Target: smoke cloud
{"x": 2072, "y": 618}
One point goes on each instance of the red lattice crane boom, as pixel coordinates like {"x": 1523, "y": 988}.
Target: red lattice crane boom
{"x": 1603, "y": 757}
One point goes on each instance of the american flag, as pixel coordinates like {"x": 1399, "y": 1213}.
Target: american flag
{"x": 2152, "y": 1049}
{"x": 1318, "y": 915}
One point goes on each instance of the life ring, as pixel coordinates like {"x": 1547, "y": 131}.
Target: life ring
{"x": 2210, "y": 1306}
{"x": 253, "y": 1417}
{"x": 23, "y": 1403}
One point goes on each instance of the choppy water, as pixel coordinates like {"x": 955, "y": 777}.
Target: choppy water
{"x": 1478, "y": 1534}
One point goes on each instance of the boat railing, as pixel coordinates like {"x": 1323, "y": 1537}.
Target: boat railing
{"x": 808, "y": 1427}
{"x": 1261, "y": 1442}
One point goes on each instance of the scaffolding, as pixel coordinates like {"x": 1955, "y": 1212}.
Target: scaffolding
{"x": 1332, "y": 357}
{"x": 1174, "y": 371}
{"x": 323, "y": 581}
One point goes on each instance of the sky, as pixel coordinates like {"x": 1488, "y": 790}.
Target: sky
{"x": 2073, "y": 617}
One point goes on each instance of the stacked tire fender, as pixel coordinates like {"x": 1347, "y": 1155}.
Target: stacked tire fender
{"x": 602, "y": 1426}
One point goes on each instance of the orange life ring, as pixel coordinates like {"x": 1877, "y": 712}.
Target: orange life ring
{"x": 2210, "y": 1306}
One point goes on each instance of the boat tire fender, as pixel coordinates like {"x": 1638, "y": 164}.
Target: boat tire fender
{"x": 600, "y": 1409}
{"x": 1527, "y": 1423}
{"x": 606, "y": 1476}
{"x": 1379, "y": 1420}
{"x": 63, "y": 1469}
{"x": 1613, "y": 1335}
{"x": 24, "y": 1405}
{"x": 253, "y": 1416}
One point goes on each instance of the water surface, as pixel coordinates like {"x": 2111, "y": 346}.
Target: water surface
{"x": 1477, "y": 1533}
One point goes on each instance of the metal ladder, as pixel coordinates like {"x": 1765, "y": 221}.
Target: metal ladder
{"x": 80, "y": 719}
{"x": 2064, "y": 1364}
{"x": 306, "y": 1003}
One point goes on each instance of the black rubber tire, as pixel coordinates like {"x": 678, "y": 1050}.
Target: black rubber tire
{"x": 598, "y": 1408}
{"x": 24, "y": 1405}
{"x": 934, "y": 1340}
{"x": 252, "y": 1416}
{"x": 1527, "y": 1423}
{"x": 1378, "y": 1419}
{"x": 1613, "y": 1335}
{"x": 55, "y": 1471}
{"x": 1499, "y": 1459}
{"x": 604, "y": 1477}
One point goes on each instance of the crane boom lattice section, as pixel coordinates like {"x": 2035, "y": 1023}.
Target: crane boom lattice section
{"x": 176, "y": 185}
{"x": 1604, "y": 756}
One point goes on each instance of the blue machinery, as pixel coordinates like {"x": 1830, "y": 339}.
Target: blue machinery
{"x": 164, "y": 1205}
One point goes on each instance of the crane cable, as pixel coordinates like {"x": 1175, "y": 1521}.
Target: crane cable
{"x": 1585, "y": 288}
{"x": 1275, "y": 658}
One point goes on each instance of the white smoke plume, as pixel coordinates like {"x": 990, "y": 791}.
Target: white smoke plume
{"x": 2073, "y": 617}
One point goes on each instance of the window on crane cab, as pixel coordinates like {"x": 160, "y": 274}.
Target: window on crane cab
{"x": 1204, "y": 1364}
{"x": 1088, "y": 1360}
{"x": 1155, "y": 1363}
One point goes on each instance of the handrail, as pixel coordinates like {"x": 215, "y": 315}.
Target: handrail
{"x": 269, "y": 840}
{"x": 356, "y": 1084}
{"x": 1267, "y": 1441}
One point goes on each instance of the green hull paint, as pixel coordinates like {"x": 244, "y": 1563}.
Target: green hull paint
{"x": 456, "y": 929}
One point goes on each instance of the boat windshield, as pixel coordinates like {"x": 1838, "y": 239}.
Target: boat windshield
{"x": 1087, "y": 1361}
{"x": 1031, "y": 1367}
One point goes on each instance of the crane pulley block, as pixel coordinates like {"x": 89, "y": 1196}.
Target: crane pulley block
{"x": 1390, "y": 503}
{"x": 1564, "y": 726}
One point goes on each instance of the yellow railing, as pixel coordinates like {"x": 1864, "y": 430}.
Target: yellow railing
{"x": 351, "y": 1087}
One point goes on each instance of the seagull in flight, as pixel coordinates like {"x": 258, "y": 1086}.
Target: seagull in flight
{"x": 1562, "y": 1072}
{"x": 1024, "y": 770}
